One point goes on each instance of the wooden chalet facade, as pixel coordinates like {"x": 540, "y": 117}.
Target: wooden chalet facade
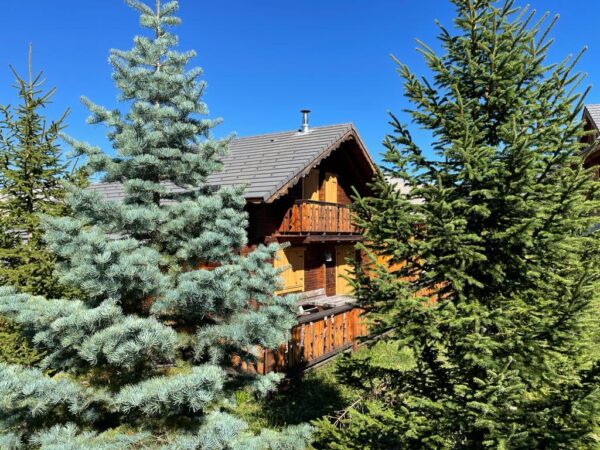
{"x": 591, "y": 118}
{"x": 312, "y": 211}
{"x": 298, "y": 191}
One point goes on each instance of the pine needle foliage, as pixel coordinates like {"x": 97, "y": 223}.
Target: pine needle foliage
{"x": 14, "y": 346}
{"x": 145, "y": 359}
{"x": 491, "y": 270}
{"x": 31, "y": 173}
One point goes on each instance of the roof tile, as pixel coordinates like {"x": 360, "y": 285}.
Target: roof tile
{"x": 594, "y": 113}
{"x": 262, "y": 163}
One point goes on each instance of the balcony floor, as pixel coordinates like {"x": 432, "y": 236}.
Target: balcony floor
{"x": 325, "y": 301}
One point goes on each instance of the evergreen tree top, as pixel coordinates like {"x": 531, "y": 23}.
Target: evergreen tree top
{"x": 164, "y": 136}
{"x": 31, "y": 165}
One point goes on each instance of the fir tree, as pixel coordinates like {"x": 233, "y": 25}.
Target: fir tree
{"x": 31, "y": 175}
{"x": 489, "y": 293}
{"x": 145, "y": 358}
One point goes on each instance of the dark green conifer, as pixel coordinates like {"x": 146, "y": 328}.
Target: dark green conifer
{"x": 498, "y": 228}
{"x": 31, "y": 173}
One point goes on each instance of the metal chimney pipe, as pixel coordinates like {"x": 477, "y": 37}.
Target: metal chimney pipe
{"x": 305, "y": 113}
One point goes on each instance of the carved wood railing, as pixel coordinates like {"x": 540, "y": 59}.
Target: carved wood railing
{"x": 310, "y": 216}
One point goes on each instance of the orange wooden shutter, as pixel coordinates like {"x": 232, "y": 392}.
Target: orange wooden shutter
{"x": 293, "y": 276}
{"x": 343, "y": 269}
{"x": 310, "y": 185}
{"x": 331, "y": 184}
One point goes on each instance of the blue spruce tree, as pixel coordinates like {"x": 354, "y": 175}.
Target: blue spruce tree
{"x": 144, "y": 359}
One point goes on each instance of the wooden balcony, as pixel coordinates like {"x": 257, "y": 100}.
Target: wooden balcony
{"x": 317, "y": 337}
{"x": 310, "y": 216}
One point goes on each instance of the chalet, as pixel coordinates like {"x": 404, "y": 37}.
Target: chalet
{"x": 299, "y": 187}
{"x": 591, "y": 118}
{"x": 298, "y": 190}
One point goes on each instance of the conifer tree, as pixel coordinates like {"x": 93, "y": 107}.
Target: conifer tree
{"x": 145, "y": 358}
{"x": 488, "y": 298}
{"x": 31, "y": 172}
{"x": 14, "y": 346}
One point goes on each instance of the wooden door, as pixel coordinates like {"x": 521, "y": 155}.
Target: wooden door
{"x": 330, "y": 279}
{"x": 292, "y": 258}
{"x": 331, "y": 187}
{"x": 310, "y": 185}
{"x": 343, "y": 268}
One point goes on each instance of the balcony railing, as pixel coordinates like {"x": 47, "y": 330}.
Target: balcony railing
{"x": 309, "y": 216}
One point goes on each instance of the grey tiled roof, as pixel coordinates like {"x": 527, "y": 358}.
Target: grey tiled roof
{"x": 114, "y": 191}
{"x": 593, "y": 111}
{"x": 265, "y": 163}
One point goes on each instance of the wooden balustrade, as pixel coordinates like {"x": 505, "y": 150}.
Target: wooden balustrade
{"x": 317, "y": 337}
{"x": 309, "y": 216}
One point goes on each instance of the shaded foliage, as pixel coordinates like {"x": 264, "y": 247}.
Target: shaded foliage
{"x": 14, "y": 346}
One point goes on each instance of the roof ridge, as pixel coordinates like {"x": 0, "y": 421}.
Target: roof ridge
{"x": 320, "y": 127}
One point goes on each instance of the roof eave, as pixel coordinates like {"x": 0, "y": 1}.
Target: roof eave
{"x": 590, "y": 119}
{"x": 595, "y": 146}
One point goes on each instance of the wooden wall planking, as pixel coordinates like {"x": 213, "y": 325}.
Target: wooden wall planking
{"x": 313, "y": 341}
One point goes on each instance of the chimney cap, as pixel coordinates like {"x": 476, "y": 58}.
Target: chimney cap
{"x": 305, "y": 113}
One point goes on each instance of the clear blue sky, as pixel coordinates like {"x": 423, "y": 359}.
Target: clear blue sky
{"x": 264, "y": 59}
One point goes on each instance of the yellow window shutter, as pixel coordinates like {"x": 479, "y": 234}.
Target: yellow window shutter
{"x": 331, "y": 184}
{"x": 293, "y": 276}
{"x": 343, "y": 269}
{"x": 310, "y": 185}
{"x": 296, "y": 259}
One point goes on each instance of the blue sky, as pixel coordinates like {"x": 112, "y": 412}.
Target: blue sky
{"x": 263, "y": 60}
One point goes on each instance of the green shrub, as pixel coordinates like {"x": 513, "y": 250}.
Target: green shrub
{"x": 14, "y": 347}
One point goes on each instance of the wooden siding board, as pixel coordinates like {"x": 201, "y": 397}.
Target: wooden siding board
{"x": 293, "y": 276}
{"x": 311, "y": 185}
{"x": 343, "y": 253}
{"x": 331, "y": 187}
{"x": 313, "y": 341}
